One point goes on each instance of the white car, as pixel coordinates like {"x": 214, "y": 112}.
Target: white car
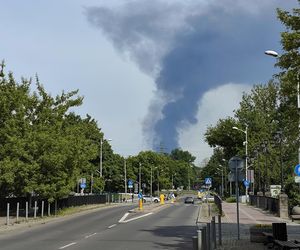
{"x": 209, "y": 198}
{"x": 147, "y": 198}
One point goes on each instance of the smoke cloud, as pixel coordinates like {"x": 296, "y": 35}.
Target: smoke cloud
{"x": 189, "y": 48}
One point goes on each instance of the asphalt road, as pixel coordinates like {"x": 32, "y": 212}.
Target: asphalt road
{"x": 169, "y": 228}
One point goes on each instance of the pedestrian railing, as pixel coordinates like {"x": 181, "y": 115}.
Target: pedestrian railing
{"x": 266, "y": 203}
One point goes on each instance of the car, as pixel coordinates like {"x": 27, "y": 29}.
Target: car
{"x": 189, "y": 200}
{"x": 147, "y": 198}
{"x": 209, "y": 198}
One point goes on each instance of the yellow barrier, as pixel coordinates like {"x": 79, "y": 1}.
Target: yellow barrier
{"x": 140, "y": 204}
{"x": 162, "y": 199}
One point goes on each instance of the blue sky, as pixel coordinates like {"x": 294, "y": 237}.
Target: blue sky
{"x": 150, "y": 71}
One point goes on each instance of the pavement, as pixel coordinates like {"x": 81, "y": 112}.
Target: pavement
{"x": 248, "y": 216}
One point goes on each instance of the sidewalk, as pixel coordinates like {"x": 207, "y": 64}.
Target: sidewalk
{"x": 249, "y": 215}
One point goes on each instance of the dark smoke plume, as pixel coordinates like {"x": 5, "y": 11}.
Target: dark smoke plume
{"x": 190, "y": 48}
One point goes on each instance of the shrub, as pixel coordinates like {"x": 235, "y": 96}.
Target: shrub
{"x": 231, "y": 199}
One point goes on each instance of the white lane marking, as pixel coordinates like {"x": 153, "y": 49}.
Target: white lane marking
{"x": 135, "y": 218}
{"x": 88, "y": 236}
{"x": 73, "y": 243}
{"x": 112, "y": 226}
{"x": 123, "y": 218}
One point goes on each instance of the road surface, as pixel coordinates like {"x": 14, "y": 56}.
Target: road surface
{"x": 171, "y": 227}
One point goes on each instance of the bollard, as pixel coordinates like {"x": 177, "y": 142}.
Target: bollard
{"x": 213, "y": 233}
{"x": 199, "y": 240}
{"x": 195, "y": 243}
{"x": 140, "y": 204}
{"x": 26, "y": 211}
{"x": 49, "y": 208}
{"x": 162, "y": 199}
{"x": 220, "y": 229}
{"x": 35, "y": 207}
{"x": 208, "y": 245}
{"x": 18, "y": 208}
{"x": 42, "y": 212}
{"x": 7, "y": 215}
{"x": 204, "y": 240}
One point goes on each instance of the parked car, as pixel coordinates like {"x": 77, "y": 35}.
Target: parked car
{"x": 209, "y": 198}
{"x": 147, "y": 198}
{"x": 189, "y": 200}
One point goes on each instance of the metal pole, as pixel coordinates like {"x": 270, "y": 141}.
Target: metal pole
{"x": 42, "y": 213}
{"x": 220, "y": 229}
{"x": 18, "y": 208}
{"x": 157, "y": 182}
{"x": 204, "y": 238}
{"x": 26, "y": 210}
{"x": 140, "y": 177}
{"x": 199, "y": 239}
{"x": 125, "y": 178}
{"x": 35, "y": 207}
{"x": 237, "y": 199}
{"x": 298, "y": 102}
{"x": 92, "y": 180}
{"x": 246, "y": 161}
{"x": 208, "y": 245}
{"x": 213, "y": 232}
{"x": 222, "y": 184}
{"x": 101, "y": 143}
{"x": 151, "y": 184}
{"x": 7, "y": 215}
{"x": 49, "y": 208}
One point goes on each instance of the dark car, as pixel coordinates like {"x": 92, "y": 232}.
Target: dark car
{"x": 189, "y": 200}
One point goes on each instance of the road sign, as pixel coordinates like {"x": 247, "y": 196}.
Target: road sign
{"x": 208, "y": 181}
{"x": 297, "y": 170}
{"x": 140, "y": 196}
{"x": 246, "y": 183}
{"x": 297, "y": 179}
{"x": 231, "y": 176}
{"x": 82, "y": 185}
{"x": 236, "y": 162}
{"x": 130, "y": 184}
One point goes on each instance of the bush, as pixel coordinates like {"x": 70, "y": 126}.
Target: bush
{"x": 231, "y": 199}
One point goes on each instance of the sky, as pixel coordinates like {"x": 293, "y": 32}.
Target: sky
{"x": 154, "y": 74}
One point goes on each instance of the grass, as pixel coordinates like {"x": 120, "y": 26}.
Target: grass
{"x": 73, "y": 210}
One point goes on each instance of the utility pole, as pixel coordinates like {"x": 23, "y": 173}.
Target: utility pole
{"x": 125, "y": 177}
{"x": 100, "y": 158}
{"x": 140, "y": 177}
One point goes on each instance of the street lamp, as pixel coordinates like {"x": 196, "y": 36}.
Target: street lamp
{"x": 246, "y": 145}
{"x": 275, "y": 54}
{"x": 222, "y": 189}
{"x": 101, "y": 145}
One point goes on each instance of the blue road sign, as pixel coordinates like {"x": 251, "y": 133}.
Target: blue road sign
{"x": 297, "y": 170}
{"x": 82, "y": 185}
{"x": 140, "y": 196}
{"x": 130, "y": 184}
{"x": 246, "y": 183}
{"x": 208, "y": 181}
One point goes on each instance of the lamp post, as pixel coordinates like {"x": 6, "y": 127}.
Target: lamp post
{"x": 275, "y": 54}
{"x": 246, "y": 147}
{"x": 222, "y": 187}
{"x": 140, "y": 177}
{"x": 100, "y": 158}
{"x": 125, "y": 178}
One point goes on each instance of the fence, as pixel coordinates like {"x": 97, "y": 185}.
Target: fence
{"x": 19, "y": 209}
{"x": 266, "y": 203}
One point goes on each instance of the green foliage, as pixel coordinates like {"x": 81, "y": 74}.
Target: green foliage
{"x": 231, "y": 199}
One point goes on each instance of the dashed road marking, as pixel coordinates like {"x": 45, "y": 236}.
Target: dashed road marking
{"x": 112, "y": 226}
{"x": 73, "y": 243}
{"x": 88, "y": 236}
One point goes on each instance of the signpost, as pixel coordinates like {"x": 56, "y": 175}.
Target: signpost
{"x": 130, "y": 184}
{"x": 236, "y": 164}
{"x": 246, "y": 183}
